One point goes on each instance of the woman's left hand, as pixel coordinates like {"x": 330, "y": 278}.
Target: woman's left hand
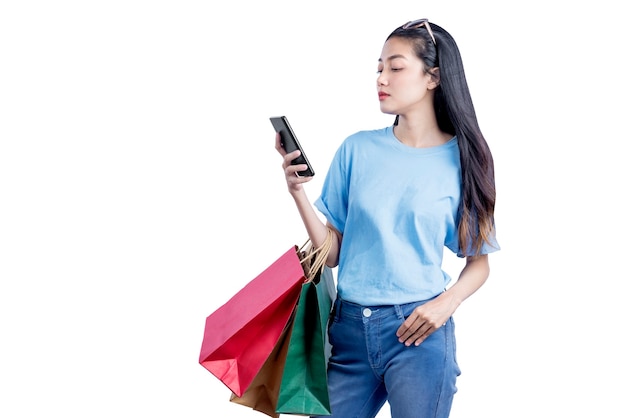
{"x": 425, "y": 320}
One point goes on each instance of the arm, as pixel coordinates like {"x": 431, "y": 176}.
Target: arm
{"x": 316, "y": 229}
{"x": 432, "y": 315}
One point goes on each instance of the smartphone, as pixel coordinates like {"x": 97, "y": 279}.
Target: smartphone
{"x": 290, "y": 143}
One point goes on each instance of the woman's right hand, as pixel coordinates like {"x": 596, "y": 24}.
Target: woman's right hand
{"x": 294, "y": 182}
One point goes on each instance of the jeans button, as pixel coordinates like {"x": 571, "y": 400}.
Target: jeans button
{"x": 367, "y": 312}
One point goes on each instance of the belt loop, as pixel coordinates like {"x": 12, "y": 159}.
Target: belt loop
{"x": 399, "y": 311}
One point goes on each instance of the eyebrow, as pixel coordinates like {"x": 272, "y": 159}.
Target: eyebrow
{"x": 393, "y": 57}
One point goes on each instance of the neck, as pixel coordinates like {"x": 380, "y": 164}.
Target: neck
{"x": 420, "y": 133}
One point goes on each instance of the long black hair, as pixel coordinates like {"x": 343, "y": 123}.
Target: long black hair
{"x": 455, "y": 114}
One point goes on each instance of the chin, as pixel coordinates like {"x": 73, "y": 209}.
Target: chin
{"x": 386, "y": 111}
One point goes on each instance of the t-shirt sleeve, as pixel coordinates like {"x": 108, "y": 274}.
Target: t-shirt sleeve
{"x": 333, "y": 200}
{"x": 487, "y": 248}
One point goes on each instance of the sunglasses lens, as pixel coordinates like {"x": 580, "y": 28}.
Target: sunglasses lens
{"x": 414, "y": 24}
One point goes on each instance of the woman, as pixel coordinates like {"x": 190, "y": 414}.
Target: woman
{"x": 394, "y": 198}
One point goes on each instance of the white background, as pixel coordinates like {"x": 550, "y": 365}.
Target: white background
{"x": 139, "y": 190}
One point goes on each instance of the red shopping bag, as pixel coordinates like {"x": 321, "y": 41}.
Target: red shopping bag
{"x": 241, "y": 334}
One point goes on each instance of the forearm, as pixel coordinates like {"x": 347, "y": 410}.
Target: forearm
{"x": 471, "y": 278}
{"x": 316, "y": 229}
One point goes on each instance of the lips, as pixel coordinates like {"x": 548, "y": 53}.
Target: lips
{"x": 382, "y": 95}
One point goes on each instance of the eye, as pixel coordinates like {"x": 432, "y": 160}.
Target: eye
{"x": 392, "y": 69}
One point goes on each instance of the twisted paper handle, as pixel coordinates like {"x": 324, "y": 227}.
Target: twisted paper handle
{"x": 312, "y": 259}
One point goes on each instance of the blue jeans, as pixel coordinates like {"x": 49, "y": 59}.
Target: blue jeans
{"x": 369, "y": 366}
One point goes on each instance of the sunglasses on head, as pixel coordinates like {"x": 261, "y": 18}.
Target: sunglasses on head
{"x": 414, "y": 24}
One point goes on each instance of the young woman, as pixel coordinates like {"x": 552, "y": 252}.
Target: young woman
{"x": 394, "y": 198}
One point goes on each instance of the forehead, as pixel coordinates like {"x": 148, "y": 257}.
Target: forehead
{"x": 397, "y": 48}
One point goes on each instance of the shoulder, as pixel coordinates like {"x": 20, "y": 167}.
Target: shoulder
{"x": 372, "y": 133}
{"x": 362, "y": 138}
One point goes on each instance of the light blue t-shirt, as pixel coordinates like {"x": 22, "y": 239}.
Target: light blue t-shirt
{"x": 396, "y": 207}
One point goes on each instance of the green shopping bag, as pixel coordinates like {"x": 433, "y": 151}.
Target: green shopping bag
{"x": 304, "y": 385}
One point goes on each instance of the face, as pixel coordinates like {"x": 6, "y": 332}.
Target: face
{"x": 403, "y": 85}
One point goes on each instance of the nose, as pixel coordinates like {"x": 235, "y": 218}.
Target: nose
{"x": 380, "y": 80}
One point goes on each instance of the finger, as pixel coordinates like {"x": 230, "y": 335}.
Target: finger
{"x": 418, "y": 339}
{"x": 293, "y": 181}
{"x": 292, "y": 155}
{"x": 417, "y": 336}
{"x": 405, "y": 327}
{"x": 411, "y": 324}
{"x": 407, "y": 330}
{"x": 292, "y": 168}
{"x": 288, "y": 160}
{"x": 291, "y": 171}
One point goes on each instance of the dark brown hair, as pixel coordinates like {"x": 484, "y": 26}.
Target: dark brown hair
{"x": 456, "y": 115}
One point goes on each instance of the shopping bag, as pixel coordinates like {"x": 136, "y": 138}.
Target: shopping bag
{"x": 262, "y": 394}
{"x": 240, "y": 335}
{"x": 304, "y": 384}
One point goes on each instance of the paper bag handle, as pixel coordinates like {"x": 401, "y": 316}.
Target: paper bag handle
{"x": 313, "y": 260}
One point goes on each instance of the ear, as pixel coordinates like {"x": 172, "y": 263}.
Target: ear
{"x": 434, "y": 78}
